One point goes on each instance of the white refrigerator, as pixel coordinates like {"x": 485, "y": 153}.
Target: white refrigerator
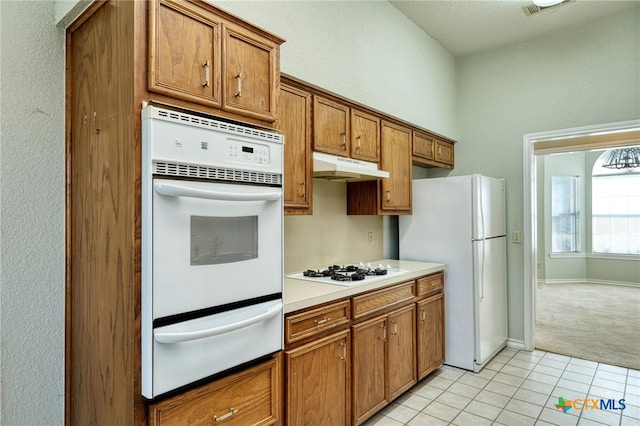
{"x": 460, "y": 221}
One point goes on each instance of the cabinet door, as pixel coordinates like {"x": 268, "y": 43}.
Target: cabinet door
{"x": 330, "y": 127}
{"x": 365, "y": 136}
{"x": 369, "y": 363}
{"x": 396, "y": 158}
{"x": 423, "y": 146}
{"x": 250, "y": 73}
{"x": 318, "y": 382}
{"x": 444, "y": 153}
{"x": 401, "y": 374}
{"x": 295, "y": 124}
{"x": 184, "y": 53}
{"x": 430, "y": 334}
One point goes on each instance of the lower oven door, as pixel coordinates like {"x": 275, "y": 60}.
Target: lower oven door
{"x": 214, "y": 244}
{"x": 186, "y": 352}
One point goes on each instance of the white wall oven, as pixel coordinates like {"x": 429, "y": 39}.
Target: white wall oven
{"x": 212, "y": 247}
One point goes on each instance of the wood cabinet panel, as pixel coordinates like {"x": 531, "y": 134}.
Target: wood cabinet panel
{"x": 250, "y": 397}
{"x": 396, "y": 158}
{"x": 430, "y": 334}
{"x": 331, "y": 127}
{"x": 371, "y": 302}
{"x": 365, "y": 136}
{"x": 313, "y": 322}
{"x": 423, "y": 146}
{"x": 444, "y": 153}
{"x": 250, "y": 73}
{"x": 369, "y": 367}
{"x": 430, "y": 284}
{"x": 318, "y": 382}
{"x": 401, "y": 348}
{"x": 295, "y": 123}
{"x": 184, "y": 53}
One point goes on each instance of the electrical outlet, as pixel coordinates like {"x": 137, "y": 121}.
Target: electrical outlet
{"x": 370, "y": 238}
{"x": 516, "y": 237}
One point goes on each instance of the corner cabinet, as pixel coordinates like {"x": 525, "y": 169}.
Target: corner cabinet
{"x": 202, "y": 57}
{"x": 119, "y": 54}
{"x": 294, "y": 123}
{"x": 390, "y": 196}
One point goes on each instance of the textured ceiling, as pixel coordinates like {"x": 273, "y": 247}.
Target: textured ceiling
{"x": 468, "y": 26}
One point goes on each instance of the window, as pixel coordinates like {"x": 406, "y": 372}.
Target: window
{"x": 616, "y": 212}
{"x": 565, "y": 214}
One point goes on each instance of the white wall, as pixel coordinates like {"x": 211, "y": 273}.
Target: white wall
{"x": 364, "y": 50}
{"x": 32, "y": 214}
{"x": 578, "y": 76}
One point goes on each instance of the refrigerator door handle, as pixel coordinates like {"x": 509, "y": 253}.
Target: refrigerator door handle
{"x": 480, "y": 270}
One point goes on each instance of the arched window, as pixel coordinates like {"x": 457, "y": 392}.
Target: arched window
{"x": 615, "y": 208}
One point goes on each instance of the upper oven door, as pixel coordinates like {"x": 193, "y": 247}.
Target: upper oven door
{"x": 213, "y": 244}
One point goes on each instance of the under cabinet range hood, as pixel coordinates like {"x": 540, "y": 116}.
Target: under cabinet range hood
{"x": 332, "y": 167}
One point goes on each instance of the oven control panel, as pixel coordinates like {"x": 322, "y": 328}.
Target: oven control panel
{"x": 247, "y": 152}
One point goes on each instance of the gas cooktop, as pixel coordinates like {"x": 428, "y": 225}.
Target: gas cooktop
{"x": 348, "y": 275}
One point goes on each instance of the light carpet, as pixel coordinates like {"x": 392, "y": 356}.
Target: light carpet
{"x": 591, "y": 321}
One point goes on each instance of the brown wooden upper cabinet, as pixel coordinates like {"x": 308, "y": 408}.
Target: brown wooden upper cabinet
{"x": 295, "y": 124}
{"x": 197, "y": 56}
{"x": 345, "y": 131}
{"x": 431, "y": 151}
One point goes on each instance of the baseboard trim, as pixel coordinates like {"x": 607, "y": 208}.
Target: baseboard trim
{"x": 515, "y": 344}
{"x": 586, "y": 281}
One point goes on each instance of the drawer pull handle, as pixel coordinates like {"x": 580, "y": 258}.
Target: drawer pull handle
{"x": 424, "y": 315}
{"x": 343, "y": 145}
{"x": 322, "y": 321}
{"x": 359, "y": 139}
{"x": 303, "y": 190}
{"x": 395, "y": 327}
{"x": 384, "y": 332}
{"x": 344, "y": 351}
{"x": 207, "y": 76}
{"x": 231, "y": 412}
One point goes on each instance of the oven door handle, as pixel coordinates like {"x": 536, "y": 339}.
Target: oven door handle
{"x": 185, "y": 336}
{"x": 174, "y": 190}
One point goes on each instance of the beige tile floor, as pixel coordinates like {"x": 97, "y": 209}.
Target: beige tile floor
{"x": 517, "y": 388}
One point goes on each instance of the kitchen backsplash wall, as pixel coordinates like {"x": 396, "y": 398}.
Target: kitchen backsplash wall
{"x": 329, "y": 236}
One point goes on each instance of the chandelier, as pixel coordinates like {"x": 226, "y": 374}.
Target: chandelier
{"x": 623, "y": 158}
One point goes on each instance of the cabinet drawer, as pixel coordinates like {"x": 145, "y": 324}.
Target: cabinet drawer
{"x": 380, "y": 299}
{"x": 250, "y": 397}
{"x": 430, "y": 283}
{"x": 315, "y": 321}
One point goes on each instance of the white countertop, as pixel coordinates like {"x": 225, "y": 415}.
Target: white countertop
{"x": 301, "y": 294}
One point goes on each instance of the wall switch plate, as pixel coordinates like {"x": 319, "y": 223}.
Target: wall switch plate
{"x": 516, "y": 237}
{"x": 370, "y": 238}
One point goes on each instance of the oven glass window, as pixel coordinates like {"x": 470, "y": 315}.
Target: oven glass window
{"x": 216, "y": 240}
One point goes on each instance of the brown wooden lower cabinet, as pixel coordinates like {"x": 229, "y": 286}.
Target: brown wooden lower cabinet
{"x": 348, "y": 359}
{"x": 430, "y": 334}
{"x": 318, "y": 382}
{"x": 384, "y": 360}
{"x": 249, "y": 397}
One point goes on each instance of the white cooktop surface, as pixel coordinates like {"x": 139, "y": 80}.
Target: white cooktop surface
{"x": 391, "y": 272}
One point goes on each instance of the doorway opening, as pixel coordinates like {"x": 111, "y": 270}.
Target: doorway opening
{"x": 538, "y": 148}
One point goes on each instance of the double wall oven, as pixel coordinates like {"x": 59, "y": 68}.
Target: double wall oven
{"x": 212, "y": 247}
